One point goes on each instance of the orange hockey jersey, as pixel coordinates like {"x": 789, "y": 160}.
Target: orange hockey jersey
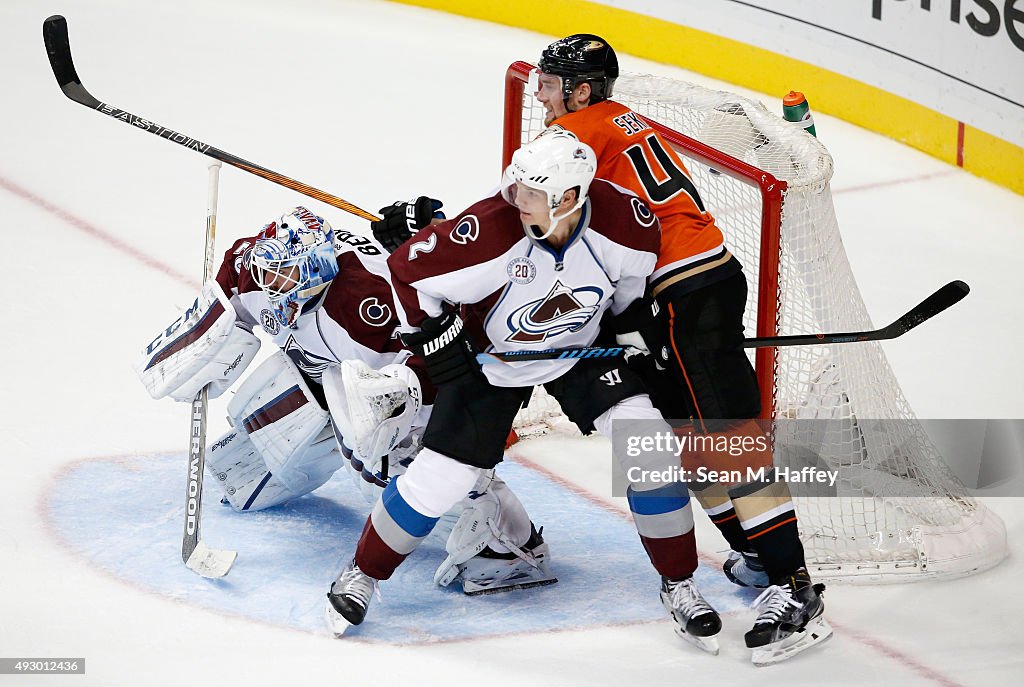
{"x": 633, "y": 155}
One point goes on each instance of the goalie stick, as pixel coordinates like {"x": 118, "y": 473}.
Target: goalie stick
{"x": 197, "y": 556}
{"x": 58, "y": 49}
{"x": 948, "y": 295}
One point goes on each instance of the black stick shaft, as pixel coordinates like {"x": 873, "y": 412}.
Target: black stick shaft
{"x": 58, "y": 49}
{"x": 948, "y": 295}
{"x": 945, "y": 297}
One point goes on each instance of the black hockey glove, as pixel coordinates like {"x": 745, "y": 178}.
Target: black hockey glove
{"x": 447, "y": 351}
{"x": 636, "y": 326}
{"x": 403, "y": 219}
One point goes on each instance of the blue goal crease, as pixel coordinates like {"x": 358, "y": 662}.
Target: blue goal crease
{"x": 288, "y": 556}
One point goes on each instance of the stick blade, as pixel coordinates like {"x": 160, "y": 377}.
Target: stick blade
{"x": 212, "y": 563}
{"x": 949, "y": 295}
{"x": 58, "y": 50}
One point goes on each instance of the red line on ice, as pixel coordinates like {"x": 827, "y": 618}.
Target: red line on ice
{"x": 871, "y": 642}
{"x": 96, "y": 233}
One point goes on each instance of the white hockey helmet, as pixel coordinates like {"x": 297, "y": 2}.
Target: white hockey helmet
{"x": 294, "y": 262}
{"x": 554, "y": 162}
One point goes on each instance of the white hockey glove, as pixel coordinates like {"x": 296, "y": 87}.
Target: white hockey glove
{"x": 372, "y": 476}
{"x": 203, "y": 346}
{"x": 372, "y": 409}
{"x": 286, "y": 425}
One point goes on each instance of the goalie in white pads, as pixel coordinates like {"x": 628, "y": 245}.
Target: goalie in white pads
{"x": 341, "y": 386}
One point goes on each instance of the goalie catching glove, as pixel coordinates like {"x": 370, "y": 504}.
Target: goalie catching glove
{"x": 372, "y": 409}
{"x": 445, "y": 347}
{"x": 204, "y": 346}
{"x": 403, "y": 219}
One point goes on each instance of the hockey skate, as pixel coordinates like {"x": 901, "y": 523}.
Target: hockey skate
{"x": 489, "y": 571}
{"x": 790, "y": 620}
{"x": 348, "y": 598}
{"x": 696, "y": 621}
{"x": 746, "y": 570}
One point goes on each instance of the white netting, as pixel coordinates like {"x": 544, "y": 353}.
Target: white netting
{"x": 901, "y": 514}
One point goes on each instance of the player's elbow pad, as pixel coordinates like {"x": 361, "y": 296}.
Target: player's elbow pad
{"x": 203, "y": 346}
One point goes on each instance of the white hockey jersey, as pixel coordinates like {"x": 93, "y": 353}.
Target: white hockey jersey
{"x": 520, "y": 294}
{"x": 357, "y": 319}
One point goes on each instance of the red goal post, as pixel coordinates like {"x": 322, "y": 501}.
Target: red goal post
{"x": 898, "y": 512}
{"x": 771, "y": 190}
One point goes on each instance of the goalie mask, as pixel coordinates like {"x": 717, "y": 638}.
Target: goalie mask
{"x": 552, "y": 163}
{"x": 582, "y": 57}
{"x": 294, "y": 262}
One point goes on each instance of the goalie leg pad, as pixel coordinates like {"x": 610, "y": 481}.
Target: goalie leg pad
{"x": 285, "y": 424}
{"x": 493, "y": 545}
{"x": 236, "y": 466}
{"x": 203, "y": 346}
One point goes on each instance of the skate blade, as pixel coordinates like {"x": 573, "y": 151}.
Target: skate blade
{"x": 708, "y": 644}
{"x": 816, "y": 632}
{"x": 470, "y": 588}
{"x": 336, "y": 622}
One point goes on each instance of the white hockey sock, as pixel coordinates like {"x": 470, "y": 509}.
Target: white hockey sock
{"x": 434, "y": 483}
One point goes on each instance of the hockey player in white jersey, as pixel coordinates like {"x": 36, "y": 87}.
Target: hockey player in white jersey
{"x": 533, "y": 267}
{"x": 337, "y": 356}
{"x": 341, "y": 386}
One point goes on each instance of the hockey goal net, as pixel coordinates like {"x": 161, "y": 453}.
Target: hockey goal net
{"x": 900, "y": 513}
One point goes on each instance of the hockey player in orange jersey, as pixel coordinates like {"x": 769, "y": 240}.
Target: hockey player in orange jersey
{"x": 700, "y": 291}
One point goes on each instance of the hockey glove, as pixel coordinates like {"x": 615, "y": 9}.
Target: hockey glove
{"x": 636, "y": 326}
{"x": 447, "y": 351}
{"x": 403, "y": 219}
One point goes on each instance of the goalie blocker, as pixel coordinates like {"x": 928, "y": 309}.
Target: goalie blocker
{"x": 203, "y": 346}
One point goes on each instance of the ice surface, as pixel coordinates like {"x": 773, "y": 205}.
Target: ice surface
{"x": 373, "y": 102}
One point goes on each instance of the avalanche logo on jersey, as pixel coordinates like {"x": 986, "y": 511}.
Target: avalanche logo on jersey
{"x": 468, "y": 229}
{"x": 643, "y": 214}
{"x": 374, "y": 313}
{"x": 312, "y": 365}
{"x": 562, "y": 310}
{"x": 243, "y": 257}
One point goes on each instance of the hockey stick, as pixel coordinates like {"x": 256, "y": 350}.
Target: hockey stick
{"x": 197, "y": 555}
{"x": 58, "y": 49}
{"x": 948, "y": 295}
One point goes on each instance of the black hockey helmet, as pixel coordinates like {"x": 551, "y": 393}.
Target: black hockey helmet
{"x": 582, "y": 57}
